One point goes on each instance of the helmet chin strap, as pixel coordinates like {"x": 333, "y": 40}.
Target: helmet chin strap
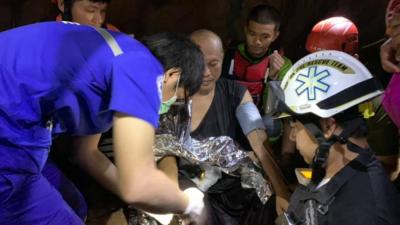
{"x": 321, "y": 154}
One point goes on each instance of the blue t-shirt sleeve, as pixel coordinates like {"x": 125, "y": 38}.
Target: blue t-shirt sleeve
{"x": 134, "y": 89}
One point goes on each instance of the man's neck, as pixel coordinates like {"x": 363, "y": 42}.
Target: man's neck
{"x": 243, "y": 51}
{"x": 201, "y": 103}
{"x": 339, "y": 157}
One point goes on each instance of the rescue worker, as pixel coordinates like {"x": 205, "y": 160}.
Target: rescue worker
{"x": 62, "y": 77}
{"x": 98, "y": 204}
{"x": 88, "y": 12}
{"x": 321, "y": 93}
{"x": 341, "y": 34}
{"x": 334, "y": 33}
{"x": 253, "y": 62}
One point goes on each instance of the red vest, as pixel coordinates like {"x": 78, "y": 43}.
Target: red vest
{"x": 249, "y": 74}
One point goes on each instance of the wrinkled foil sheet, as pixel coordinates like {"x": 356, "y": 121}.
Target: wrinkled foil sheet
{"x": 173, "y": 139}
{"x": 138, "y": 217}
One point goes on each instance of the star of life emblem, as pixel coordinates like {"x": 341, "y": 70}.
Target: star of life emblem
{"x": 312, "y": 82}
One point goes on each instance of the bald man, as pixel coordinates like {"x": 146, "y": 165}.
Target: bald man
{"x": 214, "y": 114}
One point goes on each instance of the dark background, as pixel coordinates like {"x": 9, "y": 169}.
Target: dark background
{"x": 225, "y": 17}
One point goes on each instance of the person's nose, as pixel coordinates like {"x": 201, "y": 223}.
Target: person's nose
{"x": 258, "y": 41}
{"x": 207, "y": 72}
{"x": 97, "y": 19}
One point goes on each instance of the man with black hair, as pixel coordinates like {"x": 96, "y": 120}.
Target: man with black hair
{"x": 253, "y": 62}
{"x": 81, "y": 80}
{"x": 348, "y": 184}
{"x": 341, "y": 34}
{"x": 87, "y": 12}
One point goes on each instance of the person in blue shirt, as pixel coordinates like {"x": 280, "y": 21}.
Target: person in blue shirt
{"x": 81, "y": 80}
{"x": 92, "y": 13}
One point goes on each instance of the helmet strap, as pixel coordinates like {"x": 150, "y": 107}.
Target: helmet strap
{"x": 320, "y": 158}
{"x": 353, "y": 126}
{"x": 321, "y": 155}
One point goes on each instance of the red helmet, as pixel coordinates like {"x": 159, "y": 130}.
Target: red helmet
{"x": 335, "y": 33}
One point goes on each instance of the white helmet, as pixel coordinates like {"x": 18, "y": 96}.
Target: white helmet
{"x": 325, "y": 83}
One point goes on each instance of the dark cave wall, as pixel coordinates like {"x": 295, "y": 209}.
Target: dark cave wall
{"x": 225, "y": 17}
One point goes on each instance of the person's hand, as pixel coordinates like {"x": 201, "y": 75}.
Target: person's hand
{"x": 276, "y": 62}
{"x": 195, "y": 209}
{"x": 390, "y": 50}
{"x": 187, "y": 220}
{"x": 281, "y": 205}
{"x": 392, "y": 28}
{"x": 388, "y": 57}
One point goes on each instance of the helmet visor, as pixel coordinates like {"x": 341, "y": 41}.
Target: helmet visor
{"x": 275, "y": 104}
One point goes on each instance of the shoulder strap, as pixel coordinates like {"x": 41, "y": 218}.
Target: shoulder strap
{"x": 112, "y": 43}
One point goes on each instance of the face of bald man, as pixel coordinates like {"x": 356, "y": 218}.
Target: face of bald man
{"x": 213, "y": 56}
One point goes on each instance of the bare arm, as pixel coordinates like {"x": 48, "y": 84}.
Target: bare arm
{"x": 136, "y": 180}
{"x": 169, "y": 166}
{"x": 95, "y": 163}
{"x": 288, "y": 147}
{"x": 268, "y": 163}
{"x": 140, "y": 182}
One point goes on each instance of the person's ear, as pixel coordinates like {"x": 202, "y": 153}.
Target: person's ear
{"x": 61, "y": 5}
{"x": 172, "y": 74}
{"x": 328, "y": 126}
{"x": 276, "y": 35}
{"x": 292, "y": 131}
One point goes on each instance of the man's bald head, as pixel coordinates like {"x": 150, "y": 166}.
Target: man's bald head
{"x": 206, "y": 37}
{"x": 211, "y": 46}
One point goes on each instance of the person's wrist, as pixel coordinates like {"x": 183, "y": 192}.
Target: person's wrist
{"x": 273, "y": 74}
{"x": 185, "y": 202}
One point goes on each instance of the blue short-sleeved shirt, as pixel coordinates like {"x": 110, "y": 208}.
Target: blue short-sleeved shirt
{"x": 68, "y": 74}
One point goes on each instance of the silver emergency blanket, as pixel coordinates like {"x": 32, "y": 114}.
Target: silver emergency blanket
{"x": 173, "y": 139}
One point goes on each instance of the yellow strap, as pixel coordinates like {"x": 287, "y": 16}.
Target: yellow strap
{"x": 367, "y": 109}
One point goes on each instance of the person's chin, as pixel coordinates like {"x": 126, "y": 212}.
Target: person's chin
{"x": 207, "y": 83}
{"x": 206, "y": 87}
{"x": 256, "y": 54}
